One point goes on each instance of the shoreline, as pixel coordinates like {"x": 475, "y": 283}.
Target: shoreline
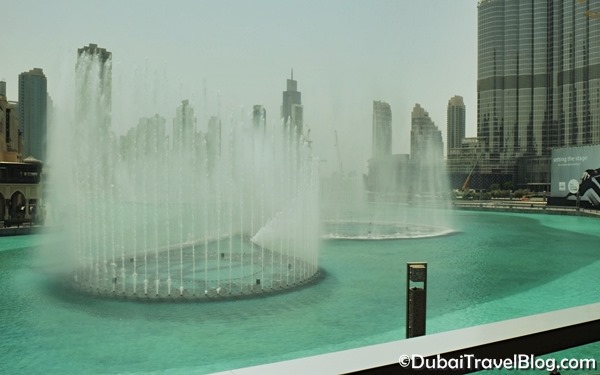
{"x": 535, "y": 207}
{"x": 20, "y": 231}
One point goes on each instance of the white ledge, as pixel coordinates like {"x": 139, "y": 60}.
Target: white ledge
{"x": 380, "y": 355}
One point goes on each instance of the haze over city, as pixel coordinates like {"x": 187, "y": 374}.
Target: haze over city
{"x": 276, "y": 187}
{"x": 227, "y": 56}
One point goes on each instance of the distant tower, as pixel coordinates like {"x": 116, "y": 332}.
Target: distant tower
{"x": 455, "y": 123}
{"x": 291, "y": 109}
{"x": 10, "y": 135}
{"x": 259, "y": 117}
{"x": 382, "y": 130}
{"x": 213, "y": 141}
{"x": 152, "y": 130}
{"x": 13, "y": 136}
{"x": 3, "y": 119}
{"x": 184, "y": 126}
{"x": 33, "y": 102}
{"x": 425, "y": 138}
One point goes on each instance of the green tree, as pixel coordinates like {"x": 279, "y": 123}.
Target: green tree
{"x": 508, "y": 185}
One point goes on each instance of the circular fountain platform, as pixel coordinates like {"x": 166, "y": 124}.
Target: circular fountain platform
{"x": 229, "y": 267}
{"x": 374, "y": 230}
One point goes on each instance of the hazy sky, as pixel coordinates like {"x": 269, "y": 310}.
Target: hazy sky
{"x": 226, "y": 56}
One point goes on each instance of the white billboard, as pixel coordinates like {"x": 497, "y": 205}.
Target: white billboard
{"x": 576, "y": 170}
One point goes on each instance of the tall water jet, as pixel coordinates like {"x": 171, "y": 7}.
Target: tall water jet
{"x": 157, "y": 217}
{"x": 402, "y": 196}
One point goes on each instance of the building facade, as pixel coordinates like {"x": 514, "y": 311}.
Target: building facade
{"x": 291, "y": 107}
{"x": 425, "y": 138}
{"x": 455, "y": 124}
{"x": 20, "y": 179}
{"x": 33, "y": 110}
{"x": 259, "y": 117}
{"x": 184, "y": 126}
{"x": 11, "y": 137}
{"x": 538, "y": 83}
{"x": 213, "y": 141}
{"x": 382, "y": 130}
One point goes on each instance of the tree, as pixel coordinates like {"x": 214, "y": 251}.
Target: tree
{"x": 508, "y": 185}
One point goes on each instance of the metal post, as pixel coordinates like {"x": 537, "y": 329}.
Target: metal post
{"x": 416, "y": 298}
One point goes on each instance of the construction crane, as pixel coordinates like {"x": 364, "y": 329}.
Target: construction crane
{"x": 465, "y": 185}
{"x": 468, "y": 179}
{"x": 337, "y": 149}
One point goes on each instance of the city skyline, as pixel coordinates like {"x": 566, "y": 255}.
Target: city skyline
{"x": 225, "y": 59}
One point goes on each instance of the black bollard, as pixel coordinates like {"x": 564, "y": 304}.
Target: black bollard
{"x": 416, "y": 299}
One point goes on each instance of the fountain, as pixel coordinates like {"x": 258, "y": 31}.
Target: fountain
{"x": 364, "y": 209}
{"x": 229, "y": 213}
{"x": 134, "y": 226}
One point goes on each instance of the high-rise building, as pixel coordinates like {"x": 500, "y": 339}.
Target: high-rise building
{"x": 11, "y": 138}
{"x": 538, "y": 83}
{"x": 425, "y": 138}
{"x": 291, "y": 108}
{"x": 184, "y": 126}
{"x": 297, "y": 119}
{"x": 33, "y": 100}
{"x": 455, "y": 130}
{"x": 3, "y": 120}
{"x": 3, "y": 88}
{"x": 14, "y": 136}
{"x": 259, "y": 117}
{"x": 213, "y": 141}
{"x": 382, "y": 130}
{"x": 148, "y": 138}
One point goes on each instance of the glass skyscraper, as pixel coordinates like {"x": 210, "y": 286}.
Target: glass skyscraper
{"x": 382, "y": 130}
{"x": 538, "y": 83}
{"x": 33, "y": 100}
{"x": 455, "y": 130}
{"x": 291, "y": 109}
{"x": 425, "y": 138}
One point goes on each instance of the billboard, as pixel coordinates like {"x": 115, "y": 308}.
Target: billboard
{"x": 576, "y": 170}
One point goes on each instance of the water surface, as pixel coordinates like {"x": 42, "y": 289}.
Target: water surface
{"x": 497, "y": 266}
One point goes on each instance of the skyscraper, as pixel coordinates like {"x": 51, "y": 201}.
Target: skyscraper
{"x": 33, "y": 99}
{"x": 426, "y": 143}
{"x": 455, "y": 130}
{"x": 184, "y": 126}
{"x": 259, "y": 117}
{"x": 11, "y": 138}
{"x": 291, "y": 108}
{"x": 213, "y": 141}
{"x": 382, "y": 130}
{"x": 3, "y": 118}
{"x": 538, "y": 83}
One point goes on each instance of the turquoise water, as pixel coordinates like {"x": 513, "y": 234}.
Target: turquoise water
{"x": 498, "y": 266}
